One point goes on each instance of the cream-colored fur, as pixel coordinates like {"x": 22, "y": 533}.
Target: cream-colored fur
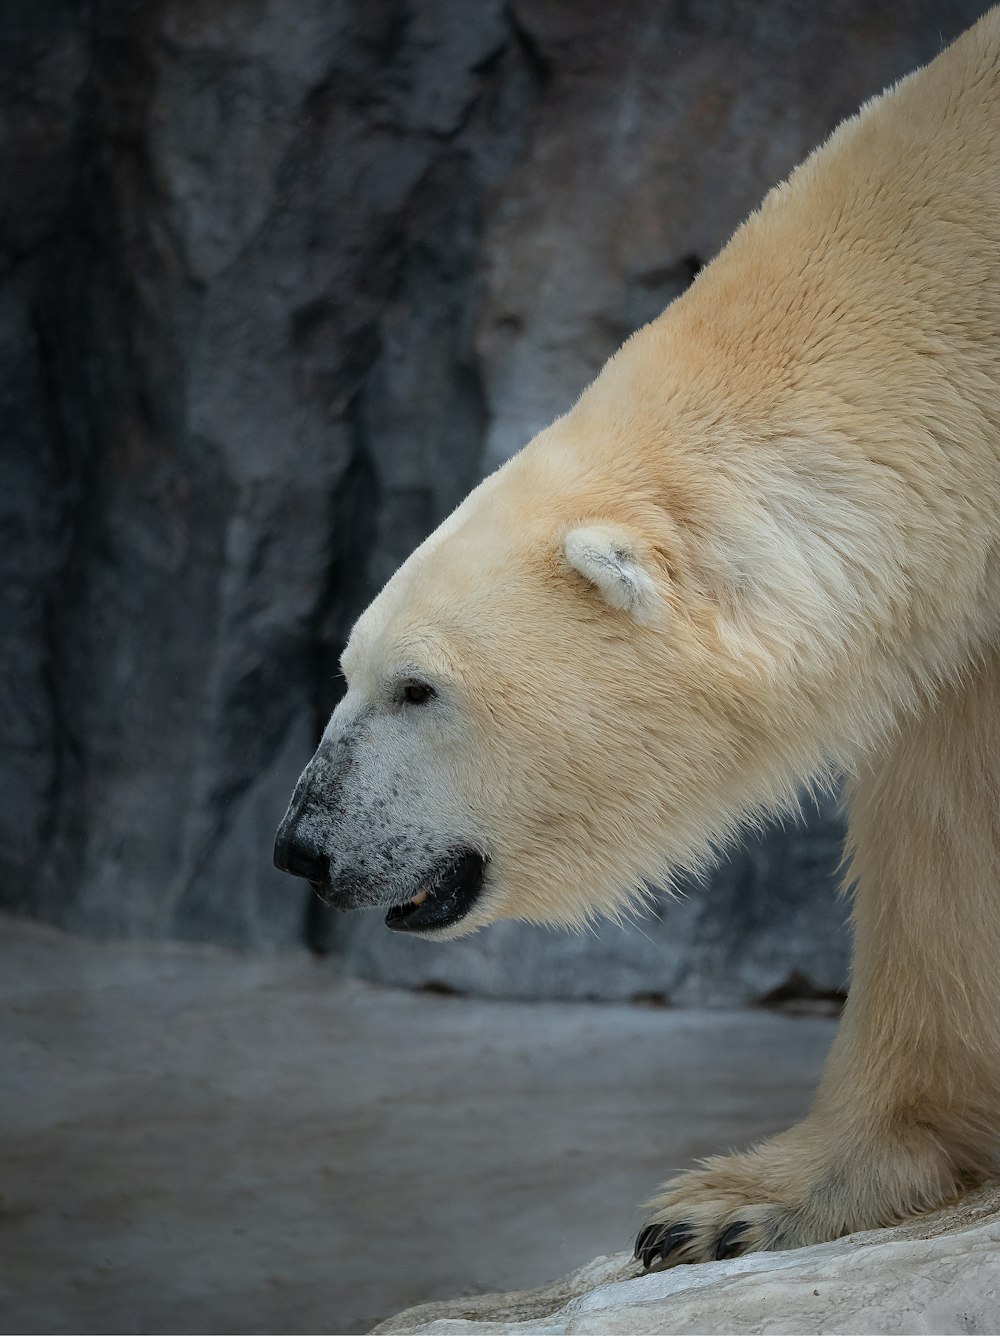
{"x": 762, "y": 548}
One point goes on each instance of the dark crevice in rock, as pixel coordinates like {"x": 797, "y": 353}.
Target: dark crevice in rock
{"x": 654, "y": 999}
{"x": 67, "y": 747}
{"x": 800, "y": 996}
{"x": 346, "y": 587}
{"x": 438, "y": 989}
{"x": 536, "y": 61}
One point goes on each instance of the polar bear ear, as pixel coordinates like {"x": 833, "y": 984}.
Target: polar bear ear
{"x": 610, "y": 560}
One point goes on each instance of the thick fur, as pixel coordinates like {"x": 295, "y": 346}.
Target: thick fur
{"x": 762, "y": 548}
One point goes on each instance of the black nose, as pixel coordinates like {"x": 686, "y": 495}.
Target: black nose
{"x": 295, "y": 853}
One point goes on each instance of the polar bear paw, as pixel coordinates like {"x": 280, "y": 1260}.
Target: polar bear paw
{"x": 697, "y": 1222}
{"x": 792, "y": 1192}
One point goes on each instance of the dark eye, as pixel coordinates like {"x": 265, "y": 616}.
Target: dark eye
{"x": 415, "y": 692}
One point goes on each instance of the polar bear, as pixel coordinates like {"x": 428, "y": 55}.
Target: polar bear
{"x": 762, "y": 548}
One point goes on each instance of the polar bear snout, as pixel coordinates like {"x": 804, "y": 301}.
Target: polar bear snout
{"x": 367, "y": 830}
{"x": 301, "y": 849}
{"x": 307, "y": 835}
{"x": 296, "y": 852}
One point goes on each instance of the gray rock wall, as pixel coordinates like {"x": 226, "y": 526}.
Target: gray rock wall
{"x": 278, "y": 281}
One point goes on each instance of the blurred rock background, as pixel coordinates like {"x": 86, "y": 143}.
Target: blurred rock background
{"x": 279, "y": 280}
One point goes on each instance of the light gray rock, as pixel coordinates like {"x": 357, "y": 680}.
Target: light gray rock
{"x": 941, "y": 1274}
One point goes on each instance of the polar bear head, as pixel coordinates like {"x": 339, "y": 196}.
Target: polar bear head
{"x": 573, "y": 686}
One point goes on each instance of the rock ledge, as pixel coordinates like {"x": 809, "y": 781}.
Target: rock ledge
{"x": 938, "y": 1274}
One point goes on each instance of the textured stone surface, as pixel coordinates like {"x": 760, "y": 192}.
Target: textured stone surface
{"x": 278, "y": 282}
{"x": 253, "y": 320}
{"x": 940, "y": 1274}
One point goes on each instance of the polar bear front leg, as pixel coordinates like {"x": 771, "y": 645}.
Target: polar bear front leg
{"x": 908, "y": 1111}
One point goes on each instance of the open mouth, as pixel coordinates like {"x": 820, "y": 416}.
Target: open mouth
{"x": 447, "y": 896}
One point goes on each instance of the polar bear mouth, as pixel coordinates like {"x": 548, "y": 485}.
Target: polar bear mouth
{"x": 444, "y": 897}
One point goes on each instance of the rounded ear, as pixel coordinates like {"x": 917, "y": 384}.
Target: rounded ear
{"x": 610, "y": 559}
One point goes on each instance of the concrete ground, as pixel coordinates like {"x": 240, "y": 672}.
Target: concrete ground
{"x": 197, "y": 1141}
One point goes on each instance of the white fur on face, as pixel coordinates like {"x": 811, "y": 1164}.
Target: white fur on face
{"x": 608, "y": 559}
{"x": 379, "y": 803}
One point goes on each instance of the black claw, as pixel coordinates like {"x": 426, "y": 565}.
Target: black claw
{"x": 643, "y": 1237}
{"x": 661, "y": 1240}
{"x": 729, "y": 1241}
